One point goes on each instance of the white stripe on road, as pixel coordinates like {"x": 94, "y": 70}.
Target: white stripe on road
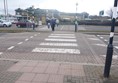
{"x": 68, "y": 40}
{"x": 11, "y": 47}
{"x": 20, "y": 43}
{"x": 56, "y": 50}
{"x": 62, "y": 36}
{"x": 35, "y": 35}
{"x": 101, "y": 45}
{"x": 93, "y": 38}
{"x": 114, "y": 56}
{"x": 101, "y": 37}
{"x": 105, "y": 40}
{"x": 98, "y": 35}
{"x": 38, "y": 33}
{"x": 115, "y": 41}
{"x": 31, "y": 37}
{"x": 26, "y": 39}
{"x": 59, "y": 44}
{"x": 116, "y": 47}
{"x": 1, "y": 53}
{"x": 62, "y": 27}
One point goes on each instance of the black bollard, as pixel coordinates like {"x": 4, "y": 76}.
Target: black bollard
{"x": 109, "y": 54}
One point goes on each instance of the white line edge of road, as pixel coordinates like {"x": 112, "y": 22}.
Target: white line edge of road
{"x": 11, "y": 47}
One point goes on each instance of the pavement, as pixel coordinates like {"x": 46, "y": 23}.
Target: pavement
{"x": 62, "y": 56}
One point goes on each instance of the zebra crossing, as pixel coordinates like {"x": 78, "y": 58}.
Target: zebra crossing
{"x": 59, "y": 43}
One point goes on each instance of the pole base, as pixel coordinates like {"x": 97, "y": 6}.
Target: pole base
{"x": 108, "y": 60}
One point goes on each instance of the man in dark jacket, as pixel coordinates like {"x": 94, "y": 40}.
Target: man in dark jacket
{"x": 53, "y": 22}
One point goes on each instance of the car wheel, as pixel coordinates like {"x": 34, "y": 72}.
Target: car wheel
{"x": 4, "y": 25}
{"x": 18, "y": 26}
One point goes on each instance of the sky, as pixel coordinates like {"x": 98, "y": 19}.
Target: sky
{"x": 91, "y": 6}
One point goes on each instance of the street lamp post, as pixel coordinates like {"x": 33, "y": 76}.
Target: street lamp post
{"x": 110, "y": 46}
{"x": 76, "y": 23}
{"x": 5, "y": 8}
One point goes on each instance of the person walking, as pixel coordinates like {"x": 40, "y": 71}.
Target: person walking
{"x": 33, "y": 24}
{"x": 53, "y": 22}
{"x": 48, "y": 22}
{"x": 57, "y": 22}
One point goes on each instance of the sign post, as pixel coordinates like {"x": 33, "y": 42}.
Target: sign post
{"x": 109, "y": 54}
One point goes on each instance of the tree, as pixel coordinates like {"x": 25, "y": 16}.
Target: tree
{"x": 84, "y": 15}
{"x": 19, "y": 11}
{"x": 101, "y": 13}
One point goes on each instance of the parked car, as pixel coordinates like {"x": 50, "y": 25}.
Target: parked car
{"x": 26, "y": 23}
{"x": 5, "y": 23}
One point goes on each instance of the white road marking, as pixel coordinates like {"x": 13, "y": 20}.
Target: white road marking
{"x": 11, "y": 47}
{"x": 105, "y": 40}
{"x": 26, "y": 39}
{"x": 101, "y": 37}
{"x": 31, "y": 37}
{"x": 98, "y": 35}
{"x": 101, "y": 45}
{"x": 35, "y": 35}
{"x": 93, "y": 38}
{"x": 20, "y": 43}
{"x": 115, "y": 41}
{"x": 59, "y": 44}
{"x": 62, "y": 27}
{"x": 116, "y": 47}
{"x": 38, "y": 33}
{"x": 1, "y": 53}
{"x": 57, "y": 50}
{"x": 68, "y": 40}
{"x": 114, "y": 56}
{"x": 62, "y": 36}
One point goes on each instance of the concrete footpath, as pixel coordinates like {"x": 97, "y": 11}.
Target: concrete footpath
{"x": 79, "y": 61}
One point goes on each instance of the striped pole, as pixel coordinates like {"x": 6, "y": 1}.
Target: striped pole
{"x": 109, "y": 54}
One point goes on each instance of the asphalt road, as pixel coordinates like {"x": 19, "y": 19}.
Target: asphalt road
{"x": 61, "y": 45}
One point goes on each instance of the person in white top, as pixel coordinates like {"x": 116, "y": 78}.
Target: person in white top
{"x": 57, "y": 22}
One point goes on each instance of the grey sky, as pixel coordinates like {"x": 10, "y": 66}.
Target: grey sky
{"x": 91, "y": 6}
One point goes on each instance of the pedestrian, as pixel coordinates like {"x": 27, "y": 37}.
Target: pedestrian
{"x": 53, "y": 22}
{"x": 33, "y": 24}
{"x": 48, "y": 23}
{"x": 57, "y": 22}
